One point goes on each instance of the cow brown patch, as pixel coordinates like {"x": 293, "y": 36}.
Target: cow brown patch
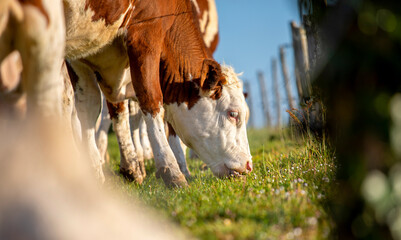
{"x": 173, "y": 48}
{"x": 39, "y": 5}
{"x": 188, "y": 91}
{"x": 183, "y": 57}
{"x": 146, "y": 84}
{"x": 144, "y": 43}
{"x": 108, "y": 10}
{"x": 115, "y": 109}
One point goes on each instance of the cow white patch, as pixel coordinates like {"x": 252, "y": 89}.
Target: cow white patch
{"x": 85, "y": 36}
{"x": 164, "y": 156}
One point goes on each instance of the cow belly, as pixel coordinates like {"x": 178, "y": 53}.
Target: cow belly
{"x": 111, "y": 64}
{"x": 84, "y": 35}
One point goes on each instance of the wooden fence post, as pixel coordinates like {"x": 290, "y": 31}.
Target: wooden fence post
{"x": 286, "y": 78}
{"x": 265, "y": 102}
{"x": 276, "y": 92}
{"x": 247, "y": 89}
{"x": 300, "y": 46}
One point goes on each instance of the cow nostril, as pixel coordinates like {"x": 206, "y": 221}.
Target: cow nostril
{"x": 249, "y": 166}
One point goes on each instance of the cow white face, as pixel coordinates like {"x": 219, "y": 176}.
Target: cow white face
{"x": 216, "y": 129}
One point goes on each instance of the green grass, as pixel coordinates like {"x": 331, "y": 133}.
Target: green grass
{"x": 283, "y": 198}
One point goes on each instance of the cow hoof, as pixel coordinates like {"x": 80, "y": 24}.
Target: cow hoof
{"x": 132, "y": 175}
{"x": 170, "y": 179}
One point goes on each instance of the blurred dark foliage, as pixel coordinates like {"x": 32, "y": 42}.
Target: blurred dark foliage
{"x": 359, "y": 77}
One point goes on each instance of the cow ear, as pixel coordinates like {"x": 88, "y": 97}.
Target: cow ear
{"x": 211, "y": 75}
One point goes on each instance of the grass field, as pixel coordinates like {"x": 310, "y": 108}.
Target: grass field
{"x": 283, "y": 198}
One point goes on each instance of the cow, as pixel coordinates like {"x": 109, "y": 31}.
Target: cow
{"x": 36, "y": 30}
{"x": 207, "y": 19}
{"x": 170, "y": 67}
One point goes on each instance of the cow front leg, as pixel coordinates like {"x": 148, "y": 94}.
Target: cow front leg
{"x": 166, "y": 164}
{"x": 144, "y": 66}
{"x": 129, "y": 163}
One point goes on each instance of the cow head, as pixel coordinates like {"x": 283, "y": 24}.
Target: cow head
{"x": 215, "y": 126}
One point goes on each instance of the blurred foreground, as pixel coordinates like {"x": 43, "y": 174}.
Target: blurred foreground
{"x": 47, "y": 191}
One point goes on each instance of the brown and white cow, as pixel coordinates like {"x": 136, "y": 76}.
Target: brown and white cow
{"x": 170, "y": 67}
{"x": 36, "y": 30}
{"x": 207, "y": 20}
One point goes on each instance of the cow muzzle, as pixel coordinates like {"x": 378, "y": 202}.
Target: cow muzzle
{"x": 239, "y": 171}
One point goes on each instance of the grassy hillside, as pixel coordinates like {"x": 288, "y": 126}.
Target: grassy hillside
{"x": 283, "y": 198}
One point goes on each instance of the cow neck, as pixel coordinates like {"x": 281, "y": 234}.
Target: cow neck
{"x": 181, "y": 61}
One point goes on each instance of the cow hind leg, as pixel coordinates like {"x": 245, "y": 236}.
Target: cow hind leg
{"x": 147, "y": 149}
{"x": 129, "y": 164}
{"x": 102, "y": 130}
{"x": 178, "y": 150}
{"x": 88, "y": 105}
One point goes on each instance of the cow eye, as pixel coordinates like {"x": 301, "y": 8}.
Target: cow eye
{"x": 233, "y": 114}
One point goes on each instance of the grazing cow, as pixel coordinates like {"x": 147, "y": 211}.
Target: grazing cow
{"x": 169, "y": 65}
{"x": 207, "y": 19}
{"x": 36, "y": 29}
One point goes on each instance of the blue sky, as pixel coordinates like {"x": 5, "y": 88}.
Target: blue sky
{"x": 251, "y": 32}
